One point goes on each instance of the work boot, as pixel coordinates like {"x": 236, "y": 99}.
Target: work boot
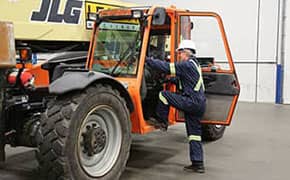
{"x": 194, "y": 168}
{"x": 157, "y": 124}
{"x": 153, "y": 122}
{"x": 163, "y": 126}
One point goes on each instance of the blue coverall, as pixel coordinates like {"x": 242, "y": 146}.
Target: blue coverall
{"x": 191, "y": 100}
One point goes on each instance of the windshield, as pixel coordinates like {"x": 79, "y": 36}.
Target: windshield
{"x": 117, "y": 49}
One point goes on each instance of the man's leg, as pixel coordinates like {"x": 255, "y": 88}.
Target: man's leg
{"x": 162, "y": 111}
{"x": 167, "y": 99}
{"x": 162, "y": 108}
{"x": 193, "y": 127}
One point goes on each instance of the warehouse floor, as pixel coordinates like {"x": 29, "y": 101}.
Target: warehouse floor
{"x": 256, "y": 145}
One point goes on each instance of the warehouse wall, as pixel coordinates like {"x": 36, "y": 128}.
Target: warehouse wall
{"x": 286, "y": 90}
{"x": 252, "y": 30}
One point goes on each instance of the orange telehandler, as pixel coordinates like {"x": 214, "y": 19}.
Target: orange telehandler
{"x": 95, "y": 100}
{"x": 86, "y": 128}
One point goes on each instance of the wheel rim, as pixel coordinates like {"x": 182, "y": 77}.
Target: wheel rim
{"x": 99, "y": 141}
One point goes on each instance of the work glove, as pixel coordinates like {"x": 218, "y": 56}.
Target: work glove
{"x": 148, "y": 60}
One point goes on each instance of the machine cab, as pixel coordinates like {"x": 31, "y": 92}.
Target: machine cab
{"x": 123, "y": 38}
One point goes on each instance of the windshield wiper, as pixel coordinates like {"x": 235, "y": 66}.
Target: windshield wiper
{"x": 131, "y": 51}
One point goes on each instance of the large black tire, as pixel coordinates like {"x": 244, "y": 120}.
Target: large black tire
{"x": 68, "y": 124}
{"x": 212, "y": 132}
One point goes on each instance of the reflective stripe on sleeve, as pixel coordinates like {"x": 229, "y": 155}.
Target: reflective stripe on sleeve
{"x": 163, "y": 99}
{"x": 172, "y": 69}
{"x": 194, "y": 138}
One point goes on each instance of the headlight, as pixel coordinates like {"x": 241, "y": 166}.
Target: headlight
{"x": 92, "y": 16}
{"x": 137, "y": 13}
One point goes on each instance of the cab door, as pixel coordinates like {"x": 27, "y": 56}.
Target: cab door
{"x": 213, "y": 53}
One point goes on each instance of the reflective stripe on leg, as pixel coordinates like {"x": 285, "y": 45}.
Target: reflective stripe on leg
{"x": 163, "y": 99}
{"x": 194, "y": 138}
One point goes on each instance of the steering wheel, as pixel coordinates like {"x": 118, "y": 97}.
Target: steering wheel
{"x": 152, "y": 76}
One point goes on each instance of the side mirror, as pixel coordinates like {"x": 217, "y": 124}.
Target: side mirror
{"x": 159, "y": 16}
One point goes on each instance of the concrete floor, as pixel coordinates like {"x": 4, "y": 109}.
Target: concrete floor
{"x": 256, "y": 145}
